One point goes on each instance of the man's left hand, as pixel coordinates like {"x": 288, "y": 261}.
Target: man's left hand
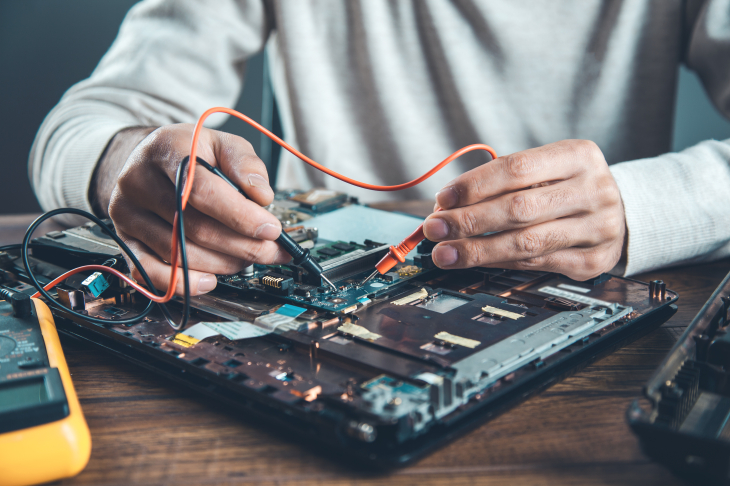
{"x": 556, "y": 208}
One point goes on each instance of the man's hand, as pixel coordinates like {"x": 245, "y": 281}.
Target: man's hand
{"x": 224, "y": 230}
{"x": 556, "y": 208}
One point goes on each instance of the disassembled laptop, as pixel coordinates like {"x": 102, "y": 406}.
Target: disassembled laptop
{"x": 382, "y": 371}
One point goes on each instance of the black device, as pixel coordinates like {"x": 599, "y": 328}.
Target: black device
{"x": 682, "y": 418}
{"x": 381, "y": 372}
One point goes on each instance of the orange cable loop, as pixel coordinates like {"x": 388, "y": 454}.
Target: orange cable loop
{"x": 189, "y": 186}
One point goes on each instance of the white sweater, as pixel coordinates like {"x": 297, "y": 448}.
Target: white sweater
{"x": 383, "y": 90}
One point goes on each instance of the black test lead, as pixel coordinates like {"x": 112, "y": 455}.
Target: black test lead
{"x": 301, "y": 257}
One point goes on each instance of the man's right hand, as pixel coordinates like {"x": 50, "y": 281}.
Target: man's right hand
{"x": 224, "y": 230}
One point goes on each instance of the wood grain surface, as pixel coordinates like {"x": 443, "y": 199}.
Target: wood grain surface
{"x": 151, "y": 432}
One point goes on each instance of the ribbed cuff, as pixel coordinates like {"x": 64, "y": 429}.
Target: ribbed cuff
{"x": 676, "y": 206}
{"x": 643, "y": 219}
{"x": 659, "y": 214}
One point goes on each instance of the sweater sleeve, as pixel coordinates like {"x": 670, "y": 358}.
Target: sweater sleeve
{"x": 678, "y": 205}
{"x": 171, "y": 60}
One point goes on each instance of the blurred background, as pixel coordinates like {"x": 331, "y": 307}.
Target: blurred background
{"x": 48, "y": 45}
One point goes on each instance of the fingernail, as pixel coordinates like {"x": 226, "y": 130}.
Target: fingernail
{"x": 447, "y": 197}
{"x": 267, "y": 231}
{"x": 435, "y": 229}
{"x": 256, "y": 180}
{"x": 207, "y": 283}
{"x": 444, "y": 255}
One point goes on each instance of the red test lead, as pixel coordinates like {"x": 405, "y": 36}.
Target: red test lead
{"x": 398, "y": 253}
{"x": 395, "y": 254}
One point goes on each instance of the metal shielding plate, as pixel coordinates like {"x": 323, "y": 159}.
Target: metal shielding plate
{"x": 537, "y": 342}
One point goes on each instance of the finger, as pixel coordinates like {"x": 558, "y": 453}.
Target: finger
{"x": 235, "y": 156}
{"x": 238, "y": 160}
{"x": 159, "y": 271}
{"x": 156, "y": 234}
{"x": 575, "y": 263}
{"x": 210, "y": 233}
{"x": 210, "y": 194}
{"x": 556, "y": 161}
{"x": 514, "y": 210}
{"x": 214, "y": 197}
{"x": 514, "y": 245}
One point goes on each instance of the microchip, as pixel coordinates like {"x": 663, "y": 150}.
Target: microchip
{"x": 320, "y": 199}
{"x": 343, "y": 246}
{"x": 305, "y": 291}
{"x": 327, "y": 251}
{"x": 277, "y": 284}
{"x": 115, "y": 311}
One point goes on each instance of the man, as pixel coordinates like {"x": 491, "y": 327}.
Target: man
{"x": 383, "y": 90}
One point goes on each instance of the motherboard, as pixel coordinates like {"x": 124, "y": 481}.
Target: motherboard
{"x": 379, "y": 365}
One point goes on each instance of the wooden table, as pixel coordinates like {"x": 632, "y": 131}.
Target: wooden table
{"x": 148, "y": 431}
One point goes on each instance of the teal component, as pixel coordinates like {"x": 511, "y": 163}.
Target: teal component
{"x": 290, "y": 310}
{"x": 95, "y": 284}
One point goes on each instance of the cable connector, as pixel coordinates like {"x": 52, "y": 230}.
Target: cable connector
{"x": 19, "y": 301}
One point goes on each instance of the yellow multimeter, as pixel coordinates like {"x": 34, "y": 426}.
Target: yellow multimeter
{"x": 43, "y": 433}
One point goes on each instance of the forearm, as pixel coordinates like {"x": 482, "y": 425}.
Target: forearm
{"x": 110, "y": 164}
{"x": 174, "y": 81}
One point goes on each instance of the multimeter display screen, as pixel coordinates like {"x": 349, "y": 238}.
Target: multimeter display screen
{"x": 24, "y": 394}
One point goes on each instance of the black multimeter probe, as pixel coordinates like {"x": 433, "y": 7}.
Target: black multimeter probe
{"x": 301, "y": 257}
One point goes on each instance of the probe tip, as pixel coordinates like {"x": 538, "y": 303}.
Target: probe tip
{"x": 370, "y": 277}
{"x": 330, "y": 283}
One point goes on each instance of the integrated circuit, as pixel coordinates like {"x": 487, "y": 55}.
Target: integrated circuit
{"x": 327, "y": 252}
{"x": 319, "y": 200}
{"x": 343, "y": 246}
